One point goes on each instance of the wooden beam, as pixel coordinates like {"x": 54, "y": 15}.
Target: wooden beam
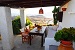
{"x": 6, "y": 0}
{"x": 32, "y": 3}
{"x": 65, "y": 2}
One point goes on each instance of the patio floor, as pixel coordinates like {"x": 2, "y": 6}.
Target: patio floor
{"x": 36, "y": 44}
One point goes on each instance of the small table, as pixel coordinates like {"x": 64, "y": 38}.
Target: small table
{"x": 40, "y": 33}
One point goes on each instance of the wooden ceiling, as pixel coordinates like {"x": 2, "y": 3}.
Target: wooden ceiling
{"x": 31, "y": 3}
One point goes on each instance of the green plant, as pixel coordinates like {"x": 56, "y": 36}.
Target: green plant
{"x": 67, "y": 34}
{"x": 16, "y": 25}
{"x": 28, "y": 22}
{"x": 55, "y": 11}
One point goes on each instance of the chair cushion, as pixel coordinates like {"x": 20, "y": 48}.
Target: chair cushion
{"x": 55, "y": 27}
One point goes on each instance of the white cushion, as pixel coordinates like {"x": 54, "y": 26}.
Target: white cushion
{"x": 59, "y": 28}
{"x": 55, "y": 27}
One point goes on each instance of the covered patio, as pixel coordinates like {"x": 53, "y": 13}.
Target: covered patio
{"x": 6, "y": 23}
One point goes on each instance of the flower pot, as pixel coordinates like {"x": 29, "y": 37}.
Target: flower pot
{"x": 65, "y": 45}
{"x": 63, "y": 9}
{"x": 66, "y": 42}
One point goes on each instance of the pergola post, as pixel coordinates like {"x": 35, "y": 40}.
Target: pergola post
{"x": 22, "y": 19}
{"x": 6, "y": 28}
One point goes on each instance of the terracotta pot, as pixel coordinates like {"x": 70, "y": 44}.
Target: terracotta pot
{"x": 66, "y": 42}
{"x": 65, "y": 45}
{"x": 63, "y": 9}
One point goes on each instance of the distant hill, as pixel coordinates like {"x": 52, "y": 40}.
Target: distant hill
{"x": 40, "y": 19}
{"x": 38, "y": 16}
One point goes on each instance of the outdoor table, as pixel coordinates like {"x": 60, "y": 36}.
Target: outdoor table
{"x": 36, "y": 32}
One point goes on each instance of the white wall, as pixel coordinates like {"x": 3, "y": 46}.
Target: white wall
{"x": 69, "y": 16}
{"x": 6, "y": 28}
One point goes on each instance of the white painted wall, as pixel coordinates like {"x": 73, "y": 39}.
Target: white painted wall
{"x": 6, "y": 28}
{"x": 69, "y": 16}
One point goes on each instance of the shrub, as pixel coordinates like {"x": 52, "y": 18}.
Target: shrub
{"x": 16, "y": 25}
{"x": 28, "y": 22}
{"x": 67, "y": 34}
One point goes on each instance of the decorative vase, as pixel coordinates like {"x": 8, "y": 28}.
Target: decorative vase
{"x": 63, "y": 9}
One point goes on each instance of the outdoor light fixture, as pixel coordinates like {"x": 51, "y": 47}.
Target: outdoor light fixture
{"x": 41, "y": 10}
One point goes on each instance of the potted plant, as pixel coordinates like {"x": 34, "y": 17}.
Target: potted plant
{"x": 66, "y": 36}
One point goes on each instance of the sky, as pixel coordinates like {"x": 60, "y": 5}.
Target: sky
{"x": 15, "y": 12}
{"x": 34, "y": 11}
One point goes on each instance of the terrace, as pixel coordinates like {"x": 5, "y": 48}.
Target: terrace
{"x": 9, "y": 41}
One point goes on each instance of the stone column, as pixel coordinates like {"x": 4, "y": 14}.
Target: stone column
{"x": 6, "y": 28}
{"x": 22, "y": 18}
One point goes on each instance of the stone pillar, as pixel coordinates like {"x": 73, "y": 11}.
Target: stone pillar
{"x": 6, "y": 28}
{"x": 22, "y": 18}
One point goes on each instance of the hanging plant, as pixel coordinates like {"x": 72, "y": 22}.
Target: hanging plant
{"x": 55, "y": 11}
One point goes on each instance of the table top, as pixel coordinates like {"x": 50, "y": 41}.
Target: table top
{"x": 36, "y": 31}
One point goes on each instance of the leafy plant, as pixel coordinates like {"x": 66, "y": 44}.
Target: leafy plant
{"x": 28, "y": 22}
{"x": 67, "y": 34}
{"x": 16, "y": 25}
{"x": 55, "y": 11}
